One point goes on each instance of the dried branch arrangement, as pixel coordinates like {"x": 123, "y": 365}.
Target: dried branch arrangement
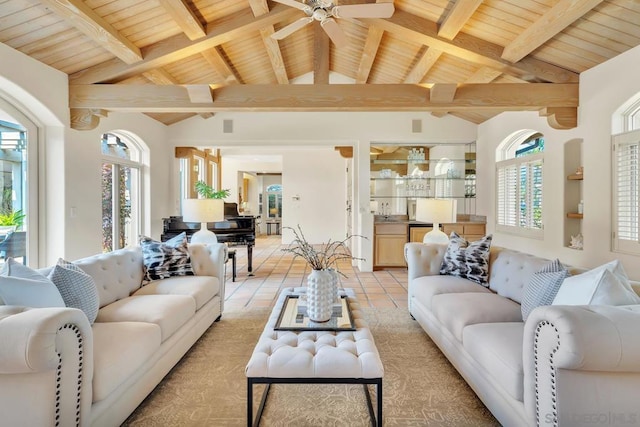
{"x": 323, "y": 256}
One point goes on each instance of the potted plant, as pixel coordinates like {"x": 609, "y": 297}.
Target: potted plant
{"x": 322, "y": 282}
{"x": 11, "y": 220}
{"x": 208, "y": 192}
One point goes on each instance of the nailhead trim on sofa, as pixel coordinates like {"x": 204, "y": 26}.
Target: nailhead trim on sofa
{"x": 553, "y": 375}
{"x": 76, "y": 330}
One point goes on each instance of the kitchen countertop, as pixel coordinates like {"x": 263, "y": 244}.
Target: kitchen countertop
{"x": 404, "y": 219}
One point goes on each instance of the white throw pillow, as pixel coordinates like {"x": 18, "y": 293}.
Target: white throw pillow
{"x": 21, "y": 285}
{"x": 607, "y": 284}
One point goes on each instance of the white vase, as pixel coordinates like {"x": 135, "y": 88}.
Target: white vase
{"x": 335, "y": 285}
{"x": 321, "y": 291}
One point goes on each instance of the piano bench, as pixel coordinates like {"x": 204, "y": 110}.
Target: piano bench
{"x": 232, "y": 257}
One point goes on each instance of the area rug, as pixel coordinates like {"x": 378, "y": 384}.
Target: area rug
{"x": 208, "y": 387}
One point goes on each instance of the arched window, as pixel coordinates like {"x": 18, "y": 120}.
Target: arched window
{"x": 519, "y": 178}
{"x": 626, "y": 180}
{"x": 121, "y": 190}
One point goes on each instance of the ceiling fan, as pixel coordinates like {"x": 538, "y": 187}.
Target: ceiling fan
{"x": 324, "y": 11}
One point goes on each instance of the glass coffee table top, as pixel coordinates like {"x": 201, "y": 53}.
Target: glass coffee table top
{"x": 293, "y": 316}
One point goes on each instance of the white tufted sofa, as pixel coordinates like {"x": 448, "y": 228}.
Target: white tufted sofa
{"x": 567, "y": 365}
{"x": 58, "y": 370}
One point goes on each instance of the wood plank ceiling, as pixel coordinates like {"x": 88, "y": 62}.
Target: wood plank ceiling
{"x": 172, "y": 59}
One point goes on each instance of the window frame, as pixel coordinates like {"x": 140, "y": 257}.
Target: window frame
{"x": 506, "y": 159}
{"x": 137, "y": 168}
{"x": 618, "y": 142}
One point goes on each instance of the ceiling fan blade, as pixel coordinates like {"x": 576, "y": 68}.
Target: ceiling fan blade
{"x": 293, "y": 3}
{"x": 335, "y": 33}
{"x": 369, "y": 10}
{"x": 291, "y": 28}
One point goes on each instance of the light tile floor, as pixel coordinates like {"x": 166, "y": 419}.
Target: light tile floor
{"x": 274, "y": 270}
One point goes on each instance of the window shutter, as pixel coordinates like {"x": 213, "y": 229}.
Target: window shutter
{"x": 507, "y": 195}
{"x": 626, "y": 180}
{"x": 519, "y": 194}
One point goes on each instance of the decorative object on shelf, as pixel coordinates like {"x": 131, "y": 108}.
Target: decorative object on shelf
{"x": 576, "y": 242}
{"x": 581, "y": 207}
{"x": 580, "y": 170}
{"x": 436, "y": 212}
{"x": 322, "y": 282}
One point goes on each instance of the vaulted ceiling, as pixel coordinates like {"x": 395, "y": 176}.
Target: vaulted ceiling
{"x": 172, "y": 59}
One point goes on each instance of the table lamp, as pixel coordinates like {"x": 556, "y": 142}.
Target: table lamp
{"x": 436, "y": 212}
{"x": 203, "y": 211}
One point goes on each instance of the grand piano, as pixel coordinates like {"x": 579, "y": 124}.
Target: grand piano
{"x": 236, "y": 229}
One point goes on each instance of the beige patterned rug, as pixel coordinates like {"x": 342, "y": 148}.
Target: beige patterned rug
{"x": 208, "y": 387}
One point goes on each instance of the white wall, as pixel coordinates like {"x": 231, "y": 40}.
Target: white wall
{"x": 314, "y": 194}
{"x": 276, "y": 131}
{"x": 602, "y": 90}
{"x": 70, "y": 160}
{"x": 83, "y": 151}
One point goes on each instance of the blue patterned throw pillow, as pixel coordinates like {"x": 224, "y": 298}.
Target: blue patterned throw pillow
{"x": 166, "y": 259}
{"x": 543, "y": 287}
{"x": 467, "y": 260}
{"x": 77, "y": 288}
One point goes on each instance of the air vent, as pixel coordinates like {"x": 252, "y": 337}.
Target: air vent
{"x": 416, "y": 126}
{"x": 227, "y": 126}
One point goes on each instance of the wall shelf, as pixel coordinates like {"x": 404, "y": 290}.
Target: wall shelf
{"x": 573, "y": 192}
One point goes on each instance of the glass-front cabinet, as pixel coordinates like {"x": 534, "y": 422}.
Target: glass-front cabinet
{"x": 400, "y": 174}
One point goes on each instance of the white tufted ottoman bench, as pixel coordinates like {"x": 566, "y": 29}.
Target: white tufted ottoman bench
{"x": 315, "y": 357}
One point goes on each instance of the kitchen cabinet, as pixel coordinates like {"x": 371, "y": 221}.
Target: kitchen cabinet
{"x": 388, "y": 248}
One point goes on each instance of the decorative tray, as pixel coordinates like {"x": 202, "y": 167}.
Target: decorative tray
{"x": 293, "y": 316}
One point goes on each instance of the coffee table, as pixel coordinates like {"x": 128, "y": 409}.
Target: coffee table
{"x": 343, "y": 354}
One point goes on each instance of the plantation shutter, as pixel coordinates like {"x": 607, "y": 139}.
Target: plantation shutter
{"x": 626, "y": 180}
{"x": 531, "y": 190}
{"x": 507, "y": 195}
{"x": 519, "y": 193}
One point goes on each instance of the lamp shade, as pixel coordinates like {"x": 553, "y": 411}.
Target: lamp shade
{"x": 202, "y": 210}
{"x": 436, "y": 212}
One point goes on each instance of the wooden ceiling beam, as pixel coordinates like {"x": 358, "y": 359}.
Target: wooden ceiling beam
{"x": 457, "y": 17}
{"x": 469, "y": 48}
{"x": 428, "y": 59}
{"x": 216, "y": 59}
{"x": 259, "y": 8}
{"x": 556, "y": 19}
{"x": 185, "y": 18}
{"x": 161, "y": 76}
{"x": 381, "y": 97}
{"x": 371, "y": 45}
{"x": 442, "y": 93}
{"x": 321, "y": 56}
{"x": 199, "y": 94}
{"x": 179, "y": 46}
{"x": 482, "y": 75}
{"x": 92, "y": 25}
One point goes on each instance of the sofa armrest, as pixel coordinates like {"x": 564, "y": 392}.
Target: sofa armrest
{"x": 46, "y": 357}
{"x": 208, "y": 260}
{"x": 581, "y": 362}
{"x": 423, "y": 259}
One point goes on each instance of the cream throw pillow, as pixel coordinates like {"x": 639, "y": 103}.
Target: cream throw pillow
{"x": 607, "y": 284}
